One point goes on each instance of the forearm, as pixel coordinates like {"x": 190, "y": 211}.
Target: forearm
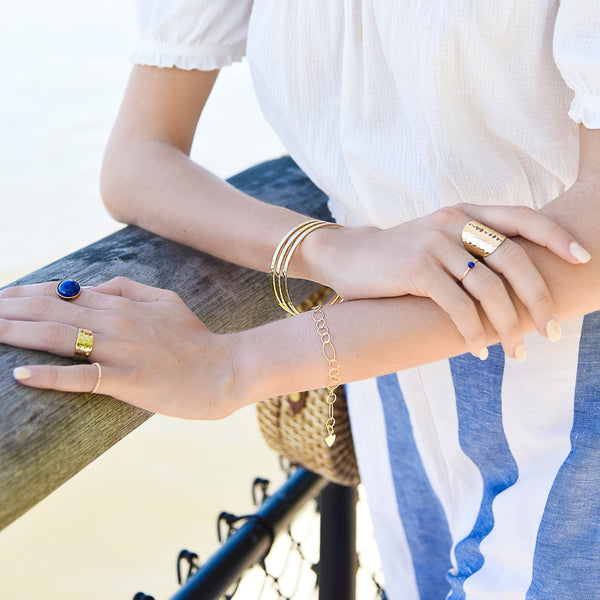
{"x": 371, "y": 337}
{"x": 576, "y": 290}
{"x": 377, "y": 336}
{"x": 149, "y": 180}
{"x": 158, "y": 188}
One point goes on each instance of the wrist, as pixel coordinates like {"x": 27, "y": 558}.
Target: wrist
{"x": 314, "y": 255}
{"x": 277, "y": 358}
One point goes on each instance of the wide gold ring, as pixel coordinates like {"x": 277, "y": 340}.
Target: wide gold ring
{"x": 480, "y": 240}
{"x": 84, "y": 344}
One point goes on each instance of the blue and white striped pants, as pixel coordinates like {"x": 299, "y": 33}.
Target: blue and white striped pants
{"x": 483, "y": 478}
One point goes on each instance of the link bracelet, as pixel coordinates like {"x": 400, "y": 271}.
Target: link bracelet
{"x": 334, "y": 369}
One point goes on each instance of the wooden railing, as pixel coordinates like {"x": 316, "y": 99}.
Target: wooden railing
{"x": 46, "y": 437}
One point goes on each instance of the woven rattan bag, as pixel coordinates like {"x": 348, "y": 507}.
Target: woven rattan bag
{"x": 292, "y": 425}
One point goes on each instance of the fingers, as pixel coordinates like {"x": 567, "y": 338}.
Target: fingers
{"x": 513, "y": 262}
{"x": 484, "y": 285}
{"x": 133, "y": 290}
{"x": 76, "y": 378}
{"x": 532, "y": 225}
{"x": 45, "y": 308}
{"x": 479, "y": 284}
{"x": 462, "y": 310}
{"x": 56, "y": 338}
{"x": 104, "y": 295}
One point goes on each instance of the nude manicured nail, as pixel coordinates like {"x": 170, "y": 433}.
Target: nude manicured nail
{"x": 21, "y": 373}
{"x": 553, "y": 330}
{"x": 483, "y": 353}
{"x": 520, "y": 353}
{"x": 579, "y": 252}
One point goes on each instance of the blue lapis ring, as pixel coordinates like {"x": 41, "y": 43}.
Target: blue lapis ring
{"x": 68, "y": 289}
{"x": 470, "y": 265}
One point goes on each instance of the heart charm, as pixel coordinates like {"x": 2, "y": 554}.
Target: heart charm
{"x": 330, "y": 439}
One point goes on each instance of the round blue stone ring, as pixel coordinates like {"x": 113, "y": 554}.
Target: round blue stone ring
{"x": 68, "y": 289}
{"x": 470, "y": 265}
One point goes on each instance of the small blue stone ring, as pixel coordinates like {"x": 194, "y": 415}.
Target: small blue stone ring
{"x": 68, "y": 289}
{"x": 470, "y": 265}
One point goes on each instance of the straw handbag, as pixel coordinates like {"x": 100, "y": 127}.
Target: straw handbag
{"x": 292, "y": 425}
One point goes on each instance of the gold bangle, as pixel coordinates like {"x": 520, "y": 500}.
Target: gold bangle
{"x": 282, "y": 258}
{"x": 283, "y": 250}
{"x": 328, "y": 350}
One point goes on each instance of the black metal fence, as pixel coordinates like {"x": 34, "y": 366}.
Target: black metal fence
{"x": 276, "y": 543}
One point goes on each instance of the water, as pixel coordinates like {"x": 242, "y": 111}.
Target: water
{"x": 116, "y": 528}
{"x": 64, "y": 68}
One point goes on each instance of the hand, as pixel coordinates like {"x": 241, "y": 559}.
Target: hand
{"x": 426, "y": 257}
{"x": 154, "y": 352}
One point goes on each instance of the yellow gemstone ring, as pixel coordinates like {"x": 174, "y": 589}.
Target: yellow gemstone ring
{"x": 84, "y": 344}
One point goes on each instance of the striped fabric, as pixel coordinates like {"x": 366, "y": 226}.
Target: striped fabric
{"x": 483, "y": 477}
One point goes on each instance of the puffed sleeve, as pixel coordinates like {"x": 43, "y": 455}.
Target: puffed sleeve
{"x": 191, "y": 34}
{"x": 577, "y": 55}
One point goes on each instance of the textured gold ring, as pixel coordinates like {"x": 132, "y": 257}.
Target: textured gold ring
{"x": 480, "y": 240}
{"x": 97, "y": 386}
{"x": 84, "y": 344}
{"x": 471, "y": 265}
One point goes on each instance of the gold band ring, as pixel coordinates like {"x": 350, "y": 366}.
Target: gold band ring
{"x": 84, "y": 344}
{"x": 95, "y": 390}
{"x": 480, "y": 240}
{"x": 470, "y": 265}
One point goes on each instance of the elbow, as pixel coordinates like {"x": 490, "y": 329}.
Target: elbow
{"x": 113, "y": 188}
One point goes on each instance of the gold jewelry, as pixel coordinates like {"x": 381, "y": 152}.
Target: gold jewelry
{"x": 334, "y": 369}
{"x": 281, "y": 261}
{"x": 470, "y": 265}
{"x": 95, "y": 390}
{"x": 480, "y": 240}
{"x": 84, "y": 344}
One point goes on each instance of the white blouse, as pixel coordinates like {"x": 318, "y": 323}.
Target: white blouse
{"x": 439, "y": 102}
{"x": 396, "y": 108}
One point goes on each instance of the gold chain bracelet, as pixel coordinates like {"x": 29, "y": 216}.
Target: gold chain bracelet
{"x": 328, "y": 350}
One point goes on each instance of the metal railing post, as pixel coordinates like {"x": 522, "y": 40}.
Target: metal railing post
{"x": 338, "y": 561}
{"x": 248, "y": 545}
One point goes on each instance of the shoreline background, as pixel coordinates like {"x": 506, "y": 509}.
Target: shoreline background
{"x": 117, "y": 527}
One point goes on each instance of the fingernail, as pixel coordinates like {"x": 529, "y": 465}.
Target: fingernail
{"x": 483, "y": 353}
{"x": 553, "y": 330}
{"x": 579, "y": 252}
{"x": 21, "y": 373}
{"x": 520, "y": 353}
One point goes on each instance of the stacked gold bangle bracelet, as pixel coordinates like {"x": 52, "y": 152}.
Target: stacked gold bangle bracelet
{"x": 281, "y": 262}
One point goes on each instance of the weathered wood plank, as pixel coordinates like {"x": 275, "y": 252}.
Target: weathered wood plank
{"x": 47, "y": 437}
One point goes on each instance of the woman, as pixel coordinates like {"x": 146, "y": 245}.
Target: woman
{"x": 415, "y": 118}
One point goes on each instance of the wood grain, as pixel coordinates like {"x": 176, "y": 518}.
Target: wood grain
{"x": 46, "y": 437}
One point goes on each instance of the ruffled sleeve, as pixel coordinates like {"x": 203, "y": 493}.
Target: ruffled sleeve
{"x": 577, "y": 55}
{"x": 191, "y": 34}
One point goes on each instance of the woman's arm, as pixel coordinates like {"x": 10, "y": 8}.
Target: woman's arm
{"x": 374, "y": 337}
{"x": 204, "y": 375}
{"x": 149, "y": 180}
